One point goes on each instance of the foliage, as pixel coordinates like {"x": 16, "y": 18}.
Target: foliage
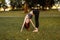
{"x": 43, "y": 3}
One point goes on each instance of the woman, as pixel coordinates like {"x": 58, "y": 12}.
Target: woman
{"x": 27, "y": 21}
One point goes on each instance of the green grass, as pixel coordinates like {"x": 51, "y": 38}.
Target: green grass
{"x": 49, "y": 28}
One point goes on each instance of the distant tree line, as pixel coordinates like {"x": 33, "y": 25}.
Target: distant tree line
{"x": 43, "y": 3}
{"x": 16, "y": 3}
{"x": 13, "y": 3}
{"x": 32, "y": 3}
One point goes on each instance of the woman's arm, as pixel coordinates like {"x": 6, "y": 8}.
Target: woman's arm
{"x": 32, "y": 23}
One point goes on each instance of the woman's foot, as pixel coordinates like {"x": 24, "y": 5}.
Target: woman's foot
{"x": 36, "y": 30}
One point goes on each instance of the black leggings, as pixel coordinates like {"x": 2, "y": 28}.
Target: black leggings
{"x": 36, "y": 13}
{"x": 37, "y": 20}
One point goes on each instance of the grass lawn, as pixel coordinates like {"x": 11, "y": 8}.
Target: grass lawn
{"x": 10, "y": 25}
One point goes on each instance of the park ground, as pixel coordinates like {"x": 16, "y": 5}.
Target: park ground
{"x": 11, "y": 22}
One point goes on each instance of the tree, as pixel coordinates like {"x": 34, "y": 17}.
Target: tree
{"x": 43, "y": 3}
